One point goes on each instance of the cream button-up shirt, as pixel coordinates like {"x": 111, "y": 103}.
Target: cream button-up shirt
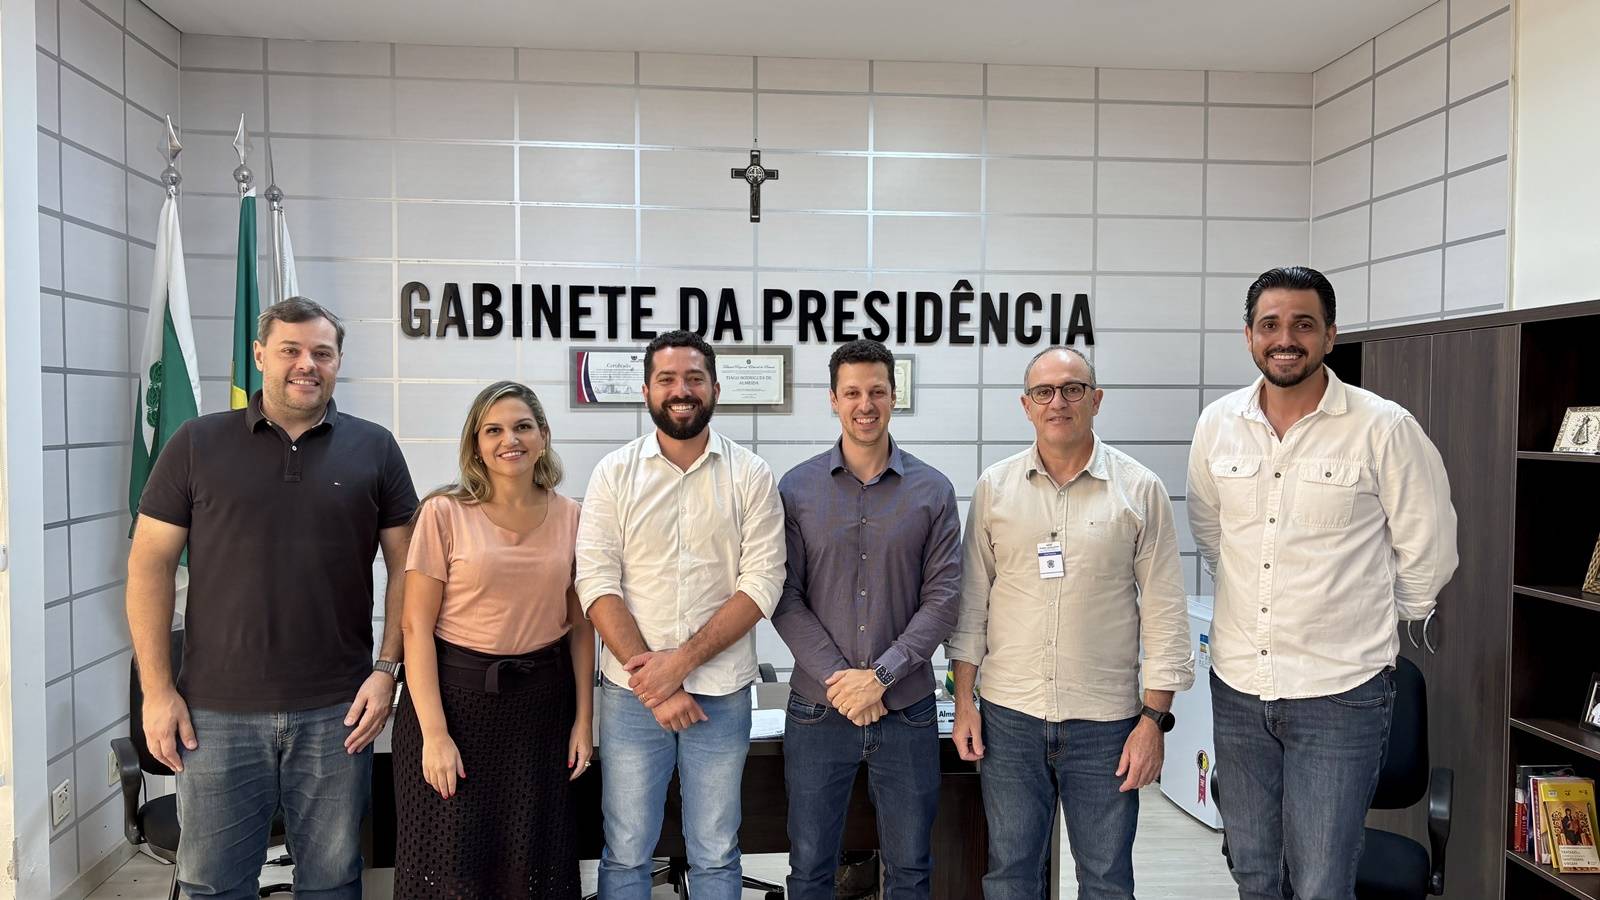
{"x": 1069, "y": 647}
{"x": 1321, "y": 542}
{"x": 676, "y": 544}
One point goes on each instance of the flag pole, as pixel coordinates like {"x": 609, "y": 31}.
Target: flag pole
{"x": 275, "y": 203}
{"x": 170, "y": 176}
{"x": 245, "y": 379}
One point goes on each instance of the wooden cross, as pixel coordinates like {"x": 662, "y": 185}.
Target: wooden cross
{"x": 755, "y": 174}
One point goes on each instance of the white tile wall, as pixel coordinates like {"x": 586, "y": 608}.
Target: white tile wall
{"x": 785, "y": 74}
{"x": 1426, "y": 108}
{"x": 941, "y": 171}
{"x": 99, "y": 97}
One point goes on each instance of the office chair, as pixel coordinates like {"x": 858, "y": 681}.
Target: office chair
{"x": 1392, "y": 866}
{"x": 155, "y": 823}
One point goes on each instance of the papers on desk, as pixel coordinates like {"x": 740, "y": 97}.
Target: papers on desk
{"x": 766, "y": 723}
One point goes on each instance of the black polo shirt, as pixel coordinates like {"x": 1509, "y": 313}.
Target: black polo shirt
{"x": 282, "y": 537}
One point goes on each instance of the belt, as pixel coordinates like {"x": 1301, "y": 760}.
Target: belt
{"x": 471, "y": 664}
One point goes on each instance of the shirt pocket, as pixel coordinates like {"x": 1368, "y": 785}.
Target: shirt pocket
{"x": 1325, "y": 496}
{"x": 1102, "y": 548}
{"x": 1236, "y": 485}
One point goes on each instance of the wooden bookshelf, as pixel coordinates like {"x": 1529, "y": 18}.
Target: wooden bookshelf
{"x": 1547, "y": 456}
{"x": 1561, "y": 733}
{"x": 1570, "y": 595}
{"x": 1509, "y": 652}
{"x": 1585, "y": 887}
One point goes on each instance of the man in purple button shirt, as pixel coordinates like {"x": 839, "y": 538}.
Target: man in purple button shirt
{"x": 872, "y": 588}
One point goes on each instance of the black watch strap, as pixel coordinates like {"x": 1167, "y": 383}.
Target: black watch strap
{"x": 1163, "y": 720}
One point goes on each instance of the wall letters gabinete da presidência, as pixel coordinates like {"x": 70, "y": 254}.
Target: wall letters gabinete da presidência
{"x": 557, "y": 311}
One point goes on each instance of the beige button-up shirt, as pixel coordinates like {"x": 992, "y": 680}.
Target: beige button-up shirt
{"x": 1068, "y": 648}
{"x": 1320, "y": 542}
{"x": 676, "y": 545}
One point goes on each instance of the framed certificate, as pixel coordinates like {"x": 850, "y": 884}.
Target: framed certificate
{"x": 904, "y": 385}
{"x": 750, "y": 377}
{"x": 607, "y": 376}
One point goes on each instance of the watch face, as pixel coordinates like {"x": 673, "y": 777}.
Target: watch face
{"x": 883, "y": 676}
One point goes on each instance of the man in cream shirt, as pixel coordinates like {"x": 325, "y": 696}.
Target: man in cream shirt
{"x": 1069, "y": 566}
{"x": 1324, "y": 513}
{"x": 680, "y": 553}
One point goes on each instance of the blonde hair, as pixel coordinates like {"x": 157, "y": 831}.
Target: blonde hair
{"x": 472, "y": 483}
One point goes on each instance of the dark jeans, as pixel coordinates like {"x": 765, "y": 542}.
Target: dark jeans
{"x": 1295, "y": 778}
{"x": 1029, "y": 765}
{"x": 247, "y": 766}
{"x": 822, "y": 750}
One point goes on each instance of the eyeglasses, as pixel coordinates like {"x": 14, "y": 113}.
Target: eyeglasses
{"x": 1072, "y": 392}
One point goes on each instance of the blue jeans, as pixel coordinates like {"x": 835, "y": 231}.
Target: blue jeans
{"x": 1028, "y": 766}
{"x": 1294, "y": 780}
{"x": 822, "y": 750}
{"x": 249, "y": 766}
{"x": 638, "y": 757}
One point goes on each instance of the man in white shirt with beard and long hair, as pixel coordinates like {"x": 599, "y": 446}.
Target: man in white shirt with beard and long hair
{"x": 680, "y": 553}
{"x": 1324, "y": 513}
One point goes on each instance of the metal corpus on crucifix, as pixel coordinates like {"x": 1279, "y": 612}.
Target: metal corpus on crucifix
{"x": 755, "y": 173}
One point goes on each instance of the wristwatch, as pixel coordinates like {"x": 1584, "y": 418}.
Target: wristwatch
{"x": 1163, "y": 720}
{"x": 884, "y": 676}
{"x": 387, "y": 666}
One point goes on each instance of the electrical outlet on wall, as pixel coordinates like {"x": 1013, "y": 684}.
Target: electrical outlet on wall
{"x": 113, "y": 773}
{"x": 60, "y": 803}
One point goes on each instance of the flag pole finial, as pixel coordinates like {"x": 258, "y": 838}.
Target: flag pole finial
{"x": 243, "y": 146}
{"x": 274, "y": 194}
{"x": 170, "y": 176}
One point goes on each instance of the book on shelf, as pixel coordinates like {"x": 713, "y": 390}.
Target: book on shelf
{"x": 1524, "y": 823}
{"x": 1567, "y": 806}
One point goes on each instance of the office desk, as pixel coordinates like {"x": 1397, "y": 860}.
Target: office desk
{"x": 960, "y": 831}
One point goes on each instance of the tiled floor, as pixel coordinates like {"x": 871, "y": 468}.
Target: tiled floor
{"x": 1174, "y": 858}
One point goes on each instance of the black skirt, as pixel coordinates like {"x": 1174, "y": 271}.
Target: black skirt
{"x": 510, "y": 831}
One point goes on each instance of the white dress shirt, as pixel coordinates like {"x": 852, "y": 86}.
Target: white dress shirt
{"x": 1069, "y": 647}
{"x": 676, "y": 545}
{"x": 1320, "y": 542}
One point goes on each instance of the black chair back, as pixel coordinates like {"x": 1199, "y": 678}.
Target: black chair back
{"x": 1403, "y": 780}
{"x": 148, "y": 762}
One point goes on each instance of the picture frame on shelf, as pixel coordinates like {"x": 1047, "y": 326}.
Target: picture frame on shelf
{"x": 1591, "y": 580}
{"x": 1580, "y": 431}
{"x": 1591, "y": 705}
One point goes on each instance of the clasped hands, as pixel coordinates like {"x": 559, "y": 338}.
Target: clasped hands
{"x": 857, "y": 695}
{"x": 656, "y": 679}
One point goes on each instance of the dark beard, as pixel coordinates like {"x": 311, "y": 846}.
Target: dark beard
{"x": 1265, "y": 365}
{"x": 687, "y": 431}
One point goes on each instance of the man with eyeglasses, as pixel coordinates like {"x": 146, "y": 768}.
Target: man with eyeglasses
{"x": 1069, "y": 565}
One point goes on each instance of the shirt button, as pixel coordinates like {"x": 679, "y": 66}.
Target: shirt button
{"x": 1272, "y": 519}
{"x": 294, "y": 446}
{"x": 863, "y": 592}
{"x": 863, "y": 556}
{"x": 1234, "y": 469}
{"x": 1263, "y": 609}
{"x": 1266, "y": 565}
{"x": 1327, "y": 474}
{"x": 1277, "y": 474}
{"x": 863, "y": 520}
{"x": 1263, "y": 653}
{"x": 863, "y": 628}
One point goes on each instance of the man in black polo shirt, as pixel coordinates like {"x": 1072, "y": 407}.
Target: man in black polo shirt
{"x": 282, "y": 506}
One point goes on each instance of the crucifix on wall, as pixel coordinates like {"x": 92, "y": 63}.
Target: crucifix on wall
{"x": 755, "y": 174}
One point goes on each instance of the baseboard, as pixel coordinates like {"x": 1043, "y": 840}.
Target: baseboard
{"x": 84, "y": 884}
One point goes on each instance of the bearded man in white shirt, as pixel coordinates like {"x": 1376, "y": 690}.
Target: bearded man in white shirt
{"x": 680, "y": 552}
{"x": 1324, "y": 514}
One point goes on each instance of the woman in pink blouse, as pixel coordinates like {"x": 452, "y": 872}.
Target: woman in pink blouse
{"x": 496, "y": 718}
